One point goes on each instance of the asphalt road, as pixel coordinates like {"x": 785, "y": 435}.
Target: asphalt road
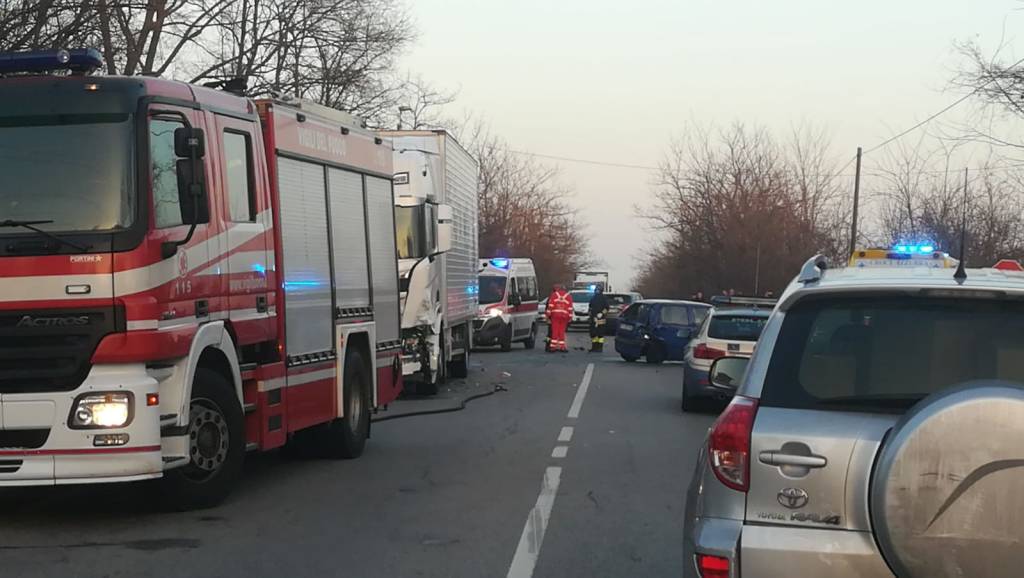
{"x": 478, "y": 493}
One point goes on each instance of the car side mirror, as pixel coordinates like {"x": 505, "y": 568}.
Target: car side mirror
{"x": 514, "y": 300}
{"x": 727, "y": 372}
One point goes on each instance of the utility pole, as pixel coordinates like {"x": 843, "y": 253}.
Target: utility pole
{"x": 856, "y": 204}
{"x": 757, "y": 270}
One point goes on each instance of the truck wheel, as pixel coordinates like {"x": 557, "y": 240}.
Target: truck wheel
{"x": 216, "y": 433}
{"x": 506, "y": 340}
{"x": 531, "y": 341}
{"x": 459, "y": 367}
{"x": 345, "y": 438}
{"x": 655, "y": 354}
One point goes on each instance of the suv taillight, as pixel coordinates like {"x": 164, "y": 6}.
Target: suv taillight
{"x": 702, "y": 351}
{"x": 713, "y": 566}
{"x": 729, "y": 443}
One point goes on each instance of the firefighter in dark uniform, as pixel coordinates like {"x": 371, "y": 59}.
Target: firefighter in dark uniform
{"x": 598, "y": 318}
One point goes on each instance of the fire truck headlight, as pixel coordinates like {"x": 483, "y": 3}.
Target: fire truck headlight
{"x": 101, "y": 410}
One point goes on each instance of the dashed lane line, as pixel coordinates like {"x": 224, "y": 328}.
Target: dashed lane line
{"x": 581, "y": 393}
{"x": 528, "y": 551}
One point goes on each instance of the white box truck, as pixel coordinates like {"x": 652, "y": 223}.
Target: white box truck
{"x": 436, "y": 229}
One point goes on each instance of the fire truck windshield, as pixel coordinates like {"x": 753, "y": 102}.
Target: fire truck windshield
{"x": 71, "y": 171}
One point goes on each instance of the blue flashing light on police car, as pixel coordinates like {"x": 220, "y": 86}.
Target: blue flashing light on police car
{"x": 82, "y": 60}
{"x": 500, "y": 263}
{"x": 922, "y": 248}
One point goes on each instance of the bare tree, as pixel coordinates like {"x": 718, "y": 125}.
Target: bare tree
{"x": 523, "y": 210}
{"x": 923, "y": 198}
{"x": 339, "y": 52}
{"x": 737, "y": 210}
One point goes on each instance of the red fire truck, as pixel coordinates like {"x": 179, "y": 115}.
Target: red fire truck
{"x": 185, "y": 275}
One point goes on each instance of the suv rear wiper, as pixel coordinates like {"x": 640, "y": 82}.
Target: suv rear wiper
{"x": 31, "y": 226}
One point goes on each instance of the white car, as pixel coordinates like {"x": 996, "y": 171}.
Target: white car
{"x": 731, "y": 332}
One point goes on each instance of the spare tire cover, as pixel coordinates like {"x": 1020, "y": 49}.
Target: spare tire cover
{"x": 947, "y": 496}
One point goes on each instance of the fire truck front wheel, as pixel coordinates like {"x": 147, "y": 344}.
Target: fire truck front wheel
{"x": 216, "y": 433}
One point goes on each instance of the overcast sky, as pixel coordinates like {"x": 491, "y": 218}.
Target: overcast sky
{"x": 614, "y": 81}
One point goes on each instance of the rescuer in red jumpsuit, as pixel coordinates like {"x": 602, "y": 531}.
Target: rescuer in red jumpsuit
{"x": 559, "y": 313}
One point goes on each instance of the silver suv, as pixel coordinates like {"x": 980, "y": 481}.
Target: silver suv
{"x": 878, "y": 431}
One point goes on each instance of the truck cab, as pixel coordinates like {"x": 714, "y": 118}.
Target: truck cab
{"x": 435, "y": 226}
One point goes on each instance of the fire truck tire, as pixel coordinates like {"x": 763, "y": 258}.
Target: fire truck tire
{"x": 217, "y": 445}
{"x": 345, "y": 438}
{"x": 506, "y": 340}
{"x": 531, "y": 341}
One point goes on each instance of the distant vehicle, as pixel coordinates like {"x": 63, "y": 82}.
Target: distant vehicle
{"x": 619, "y": 302}
{"x": 875, "y": 431}
{"x": 509, "y": 301}
{"x": 725, "y": 332}
{"x": 435, "y": 225}
{"x": 591, "y": 280}
{"x": 658, "y": 329}
{"x": 581, "y": 306}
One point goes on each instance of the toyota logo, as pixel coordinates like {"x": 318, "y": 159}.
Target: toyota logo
{"x": 793, "y": 498}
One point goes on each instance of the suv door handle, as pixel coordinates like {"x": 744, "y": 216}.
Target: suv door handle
{"x": 777, "y": 458}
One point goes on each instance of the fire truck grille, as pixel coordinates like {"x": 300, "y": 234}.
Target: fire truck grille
{"x": 50, "y": 350}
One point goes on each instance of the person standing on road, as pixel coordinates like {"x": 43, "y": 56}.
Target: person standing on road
{"x": 559, "y": 313}
{"x": 598, "y": 317}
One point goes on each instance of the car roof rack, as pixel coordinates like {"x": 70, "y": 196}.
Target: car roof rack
{"x": 813, "y": 270}
{"x": 721, "y": 301}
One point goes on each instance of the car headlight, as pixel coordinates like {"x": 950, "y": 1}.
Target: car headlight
{"x": 494, "y": 313}
{"x": 101, "y": 410}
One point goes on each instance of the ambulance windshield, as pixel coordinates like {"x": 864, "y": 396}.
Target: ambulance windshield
{"x": 73, "y": 170}
{"x": 492, "y": 289}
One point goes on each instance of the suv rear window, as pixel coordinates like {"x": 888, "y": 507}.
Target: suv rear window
{"x": 736, "y": 327}
{"x": 887, "y": 353}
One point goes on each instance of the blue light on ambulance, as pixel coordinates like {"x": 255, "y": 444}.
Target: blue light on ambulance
{"x": 500, "y": 263}
{"x": 593, "y": 288}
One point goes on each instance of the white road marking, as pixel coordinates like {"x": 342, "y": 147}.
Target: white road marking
{"x": 530, "y": 542}
{"x": 566, "y": 434}
{"x": 528, "y": 552}
{"x": 581, "y": 393}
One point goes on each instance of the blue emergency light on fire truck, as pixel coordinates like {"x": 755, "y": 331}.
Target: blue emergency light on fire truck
{"x": 81, "y": 60}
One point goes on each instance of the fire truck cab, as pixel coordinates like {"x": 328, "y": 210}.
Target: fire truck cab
{"x": 185, "y": 275}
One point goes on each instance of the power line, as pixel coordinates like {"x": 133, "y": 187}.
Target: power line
{"x": 584, "y": 161}
{"x": 949, "y": 107}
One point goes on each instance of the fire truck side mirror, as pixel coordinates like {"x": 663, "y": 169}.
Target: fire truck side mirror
{"x": 192, "y": 192}
{"x": 188, "y": 138}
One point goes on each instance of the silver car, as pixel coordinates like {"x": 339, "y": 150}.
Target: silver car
{"x": 877, "y": 431}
